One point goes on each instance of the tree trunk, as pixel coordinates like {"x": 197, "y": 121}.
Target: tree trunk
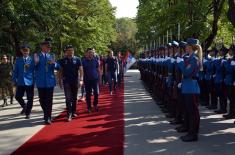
{"x": 231, "y": 11}
{"x": 217, "y": 9}
{"x": 15, "y": 40}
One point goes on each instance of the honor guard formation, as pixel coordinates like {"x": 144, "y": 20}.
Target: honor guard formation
{"x": 181, "y": 76}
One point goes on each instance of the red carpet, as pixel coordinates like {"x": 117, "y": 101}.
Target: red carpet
{"x": 100, "y": 133}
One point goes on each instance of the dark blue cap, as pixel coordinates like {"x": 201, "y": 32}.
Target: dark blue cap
{"x": 182, "y": 44}
{"x": 175, "y": 43}
{"x": 45, "y": 42}
{"x": 162, "y": 47}
{"x": 24, "y": 46}
{"x": 192, "y": 41}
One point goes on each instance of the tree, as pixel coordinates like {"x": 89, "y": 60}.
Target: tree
{"x": 205, "y": 20}
{"x": 126, "y": 31}
{"x": 83, "y": 23}
{"x": 231, "y": 11}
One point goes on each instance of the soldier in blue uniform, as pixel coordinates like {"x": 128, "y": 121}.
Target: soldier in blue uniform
{"x": 72, "y": 75}
{"x": 228, "y": 81}
{"x": 208, "y": 66}
{"x": 45, "y": 78}
{"x": 177, "y": 89}
{"x": 23, "y": 78}
{"x": 190, "y": 88}
{"x": 218, "y": 81}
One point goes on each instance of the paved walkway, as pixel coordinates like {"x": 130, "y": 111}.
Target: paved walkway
{"x": 15, "y": 130}
{"x": 147, "y": 131}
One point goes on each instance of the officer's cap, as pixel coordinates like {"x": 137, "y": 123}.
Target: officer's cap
{"x": 182, "y": 44}
{"x": 162, "y": 47}
{"x": 46, "y": 42}
{"x": 192, "y": 41}
{"x": 24, "y": 46}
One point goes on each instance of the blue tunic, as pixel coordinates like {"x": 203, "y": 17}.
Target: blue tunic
{"x": 189, "y": 69}
{"x": 23, "y": 73}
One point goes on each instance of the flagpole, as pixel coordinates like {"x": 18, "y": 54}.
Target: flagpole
{"x": 167, "y": 41}
{"x": 178, "y": 31}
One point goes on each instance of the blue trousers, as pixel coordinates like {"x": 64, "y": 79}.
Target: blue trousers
{"x": 112, "y": 79}
{"x": 20, "y": 91}
{"x": 71, "y": 92}
{"x": 89, "y": 86}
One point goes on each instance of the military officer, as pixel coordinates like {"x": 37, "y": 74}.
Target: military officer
{"x": 45, "y": 78}
{"x": 23, "y": 78}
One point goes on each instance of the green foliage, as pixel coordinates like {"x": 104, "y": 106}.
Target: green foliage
{"x": 126, "y": 30}
{"x": 194, "y": 16}
{"x": 83, "y": 23}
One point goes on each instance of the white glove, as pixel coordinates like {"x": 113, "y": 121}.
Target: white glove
{"x": 179, "y": 60}
{"x": 179, "y": 85}
{"x": 233, "y": 63}
{"x": 204, "y": 60}
{"x": 224, "y": 60}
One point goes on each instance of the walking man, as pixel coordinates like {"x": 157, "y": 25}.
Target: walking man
{"x": 111, "y": 69}
{"x": 91, "y": 78}
{"x": 23, "y": 79}
{"x": 45, "y": 79}
{"x": 72, "y": 80}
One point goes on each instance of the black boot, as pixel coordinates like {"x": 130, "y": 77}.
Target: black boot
{"x": 4, "y": 102}
{"x": 189, "y": 138}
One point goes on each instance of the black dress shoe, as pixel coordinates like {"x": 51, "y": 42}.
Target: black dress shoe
{"x": 89, "y": 111}
{"x": 181, "y": 129}
{"x": 189, "y": 138}
{"x": 22, "y": 111}
{"x": 212, "y": 107}
{"x": 165, "y": 110}
{"x": 170, "y": 116}
{"x": 27, "y": 117}
{"x": 221, "y": 111}
{"x": 175, "y": 122}
{"x": 229, "y": 116}
{"x": 48, "y": 121}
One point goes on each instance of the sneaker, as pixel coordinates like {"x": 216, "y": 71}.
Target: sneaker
{"x": 70, "y": 117}
{"x": 89, "y": 111}
{"x": 74, "y": 115}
